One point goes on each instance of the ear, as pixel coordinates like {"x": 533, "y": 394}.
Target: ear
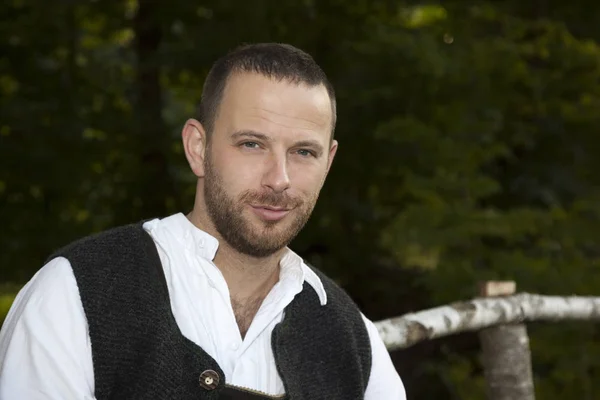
{"x": 194, "y": 145}
{"x": 332, "y": 151}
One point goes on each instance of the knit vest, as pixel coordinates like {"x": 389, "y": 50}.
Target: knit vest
{"x": 138, "y": 351}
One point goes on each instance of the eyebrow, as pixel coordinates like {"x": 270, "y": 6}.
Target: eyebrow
{"x": 252, "y": 135}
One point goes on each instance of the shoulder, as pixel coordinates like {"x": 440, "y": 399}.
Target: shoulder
{"x": 99, "y": 255}
{"x": 384, "y": 381}
{"x": 114, "y": 266}
{"x": 44, "y": 339}
{"x": 49, "y": 282}
{"x": 96, "y": 244}
{"x": 341, "y": 310}
{"x": 49, "y": 296}
{"x": 333, "y": 294}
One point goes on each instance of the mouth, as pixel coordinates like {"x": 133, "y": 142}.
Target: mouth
{"x": 270, "y": 213}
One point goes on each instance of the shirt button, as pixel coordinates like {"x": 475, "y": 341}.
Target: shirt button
{"x": 234, "y": 346}
{"x": 209, "y": 379}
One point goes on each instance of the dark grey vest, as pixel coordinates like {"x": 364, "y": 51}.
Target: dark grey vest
{"x": 321, "y": 352}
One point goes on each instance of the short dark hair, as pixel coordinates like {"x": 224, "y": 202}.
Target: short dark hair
{"x": 273, "y": 60}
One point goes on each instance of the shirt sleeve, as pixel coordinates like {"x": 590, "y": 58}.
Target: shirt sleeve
{"x": 45, "y": 350}
{"x": 384, "y": 381}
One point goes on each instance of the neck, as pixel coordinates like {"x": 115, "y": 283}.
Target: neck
{"x": 247, "y": 277}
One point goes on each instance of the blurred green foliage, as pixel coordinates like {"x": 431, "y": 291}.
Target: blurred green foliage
{"x": 468, "y": 142}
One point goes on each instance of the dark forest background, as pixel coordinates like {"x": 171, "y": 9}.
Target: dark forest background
{"x": 469, "y": 142}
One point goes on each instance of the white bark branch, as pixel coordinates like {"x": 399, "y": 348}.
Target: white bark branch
{"x": 407, "y": 330}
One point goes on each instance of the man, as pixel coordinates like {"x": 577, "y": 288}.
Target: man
{"x": 211, "y": 305}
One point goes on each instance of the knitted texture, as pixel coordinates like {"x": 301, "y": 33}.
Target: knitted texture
{"x": 138, "y": 351}
{"x": 323, "y": 352}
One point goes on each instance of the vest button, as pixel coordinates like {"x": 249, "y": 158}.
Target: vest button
{"x": 209, "y": 379}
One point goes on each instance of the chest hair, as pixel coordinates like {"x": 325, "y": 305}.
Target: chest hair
{"x": 244, "y": 311}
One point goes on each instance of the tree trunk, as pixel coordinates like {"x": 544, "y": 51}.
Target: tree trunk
{"x": 153, "y": 183}
{"x": 506, "y": 355}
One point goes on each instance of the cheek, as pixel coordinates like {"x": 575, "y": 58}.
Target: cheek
{"x": 308, "y": 181}
{"x": 237, "y": 176}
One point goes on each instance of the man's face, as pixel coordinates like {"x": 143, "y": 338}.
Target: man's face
{"x": 269, "y": 154}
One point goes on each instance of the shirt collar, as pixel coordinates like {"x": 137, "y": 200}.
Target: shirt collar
{"x": 293, "y": 268}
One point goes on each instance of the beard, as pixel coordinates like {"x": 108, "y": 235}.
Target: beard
{"x": 259, "y": 239}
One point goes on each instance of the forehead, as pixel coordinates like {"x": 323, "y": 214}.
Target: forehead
{"x": 253, "y": 101}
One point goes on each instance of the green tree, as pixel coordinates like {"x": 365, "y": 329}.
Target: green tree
{"x": 467, "y": 149}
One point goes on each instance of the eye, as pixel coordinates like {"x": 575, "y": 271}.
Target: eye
{"x": 250, "y": 145}
{"x": 305, "y": 153}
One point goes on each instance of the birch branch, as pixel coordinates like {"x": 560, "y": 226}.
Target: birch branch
{"x": 474, "y": 315}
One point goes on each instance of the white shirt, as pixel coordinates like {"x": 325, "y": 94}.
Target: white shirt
{"x": 45, "y": 350}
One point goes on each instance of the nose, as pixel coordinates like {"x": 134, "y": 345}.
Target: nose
{"x": 276, "y": 176}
